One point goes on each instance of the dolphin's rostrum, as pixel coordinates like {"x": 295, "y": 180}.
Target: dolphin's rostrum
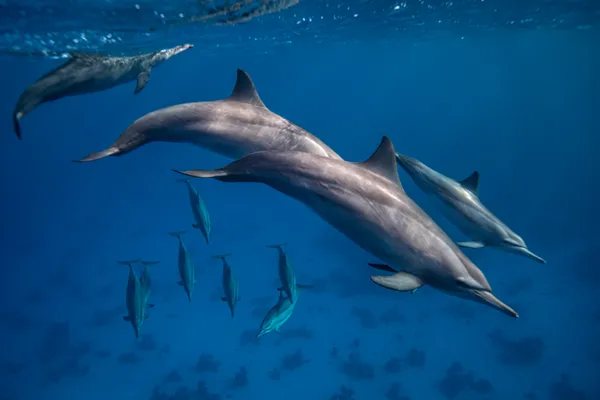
{"x": 88, "y": 73}
{"x": 366, "y": 202}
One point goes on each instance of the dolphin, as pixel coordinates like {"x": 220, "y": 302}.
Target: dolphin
{"x": 187, "y": 271}
{"x": 145, "y": 278}
{"x": 286, "y": 273}
{"x": 233, "y": 127}
{"x": 135, "y": 299}
{"x": 366, "y": 202}
{"x": 230, "y": 284}
{"x": 460, "y": 203}
{"x": 88, "y": 73}
{"x": 199, "y": 211}
{"x": 277, "y": 315}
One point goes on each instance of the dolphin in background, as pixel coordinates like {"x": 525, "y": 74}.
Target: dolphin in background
{"x": 461, "y": 205}
{"x": 88, "y": 73}
{"x": 366, "y": 202}
{"x": 136, "y": 299}
{"x": 185, "y": 265}
{"x": 278, "y": 314}
{"x": 230, "y": 284}
{"x": 286, "y": 272}
{"x": 233, "y": 127}
{"x": 145, "y": 280}
{"x": 199, "y": 211}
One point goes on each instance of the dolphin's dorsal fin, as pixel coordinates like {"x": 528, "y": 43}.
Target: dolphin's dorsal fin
{"x": 383, "y": 161}
{"x": 244, "y": 90}
{"x": 471, "y": 183}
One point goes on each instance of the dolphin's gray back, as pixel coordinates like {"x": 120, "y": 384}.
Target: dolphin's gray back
{"x": 228, "y": 127}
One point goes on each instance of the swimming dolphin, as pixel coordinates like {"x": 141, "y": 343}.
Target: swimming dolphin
{"x": 187, "y": 271}
{"x": 461, "y": 205}
{"x": 286, "y": 273}
{"x": 366, "y": 202}
{"x": 230, "y": 284}
{"x": 135, "y": 299}
{"x": 145, "y": 277}
{"x": 233, "y": 127}
{"x": 88, "y": 73}
{"x": 199, "y": 211}
{"x": 277, "y": 315}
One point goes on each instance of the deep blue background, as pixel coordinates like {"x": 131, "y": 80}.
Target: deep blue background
{"x": 521, "y": 108}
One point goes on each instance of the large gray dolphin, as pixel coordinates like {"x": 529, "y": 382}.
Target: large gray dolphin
{"x": 461, "y": 205}
{"x": 366, "y": 202}
{"x": 88, "y": 73}
{"x": 233, "y": 127}
{"x": 199, "y": 211}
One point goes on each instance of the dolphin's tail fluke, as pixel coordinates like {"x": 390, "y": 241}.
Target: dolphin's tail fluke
{"x": 209, "y": 173}
{"x": 130, "y": 262}
{"x": 276, "y": 246}
{"x": 491, "y": 300}
{"x": 177, "y": 234}
{"x": 16, "y": 124}
{"x": 111, "y": 151}
{"x": 221, "y": 256}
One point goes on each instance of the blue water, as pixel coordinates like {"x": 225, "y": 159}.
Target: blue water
{"x": 519, "y": 105}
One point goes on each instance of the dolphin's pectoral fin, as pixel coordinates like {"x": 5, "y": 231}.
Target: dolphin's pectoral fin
{"x": 126, "y": 318}
{"x": 224, "y": 299}
{"x": 180, "y": 283}
{"x": 383, "y": 267}
{"x": 17, "y": 124}
{"x": 142, "y": 80}
{"x": 300, "y": 286}
{"x": 401, "y": 281}
{"x": 470, "y": 245}
{"x": 471, "y": 183}
{"x": 149, "y": 305}
{"x": 195, "y": 226}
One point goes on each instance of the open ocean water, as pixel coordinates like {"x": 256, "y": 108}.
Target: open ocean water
{"x": 508, "y": 88}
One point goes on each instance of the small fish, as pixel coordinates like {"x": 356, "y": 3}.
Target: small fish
{"x": 230, "y": 284}
{"x": 286, "y": 272}
{"x": 135, "y": 299}
{"x": 199, "y": 210}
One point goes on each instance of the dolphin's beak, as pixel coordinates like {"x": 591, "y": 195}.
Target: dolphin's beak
{"x": 491, "y": 300}
{"x": 183, "y": 48}
{"x": 528, "y": 253}
{"x": 259, "y": 334}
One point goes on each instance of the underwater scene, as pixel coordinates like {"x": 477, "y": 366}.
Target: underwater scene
{"x": 300, "y": 199}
